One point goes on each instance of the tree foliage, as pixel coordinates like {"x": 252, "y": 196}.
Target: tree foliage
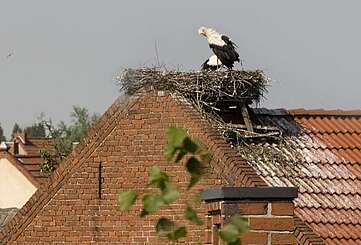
{"x": 65, "y": 135}
{"x": 48, "y": 164}
{"x": 179, "y": 146}
{"x": 16, "y": 129}
{"x": 37, "y": 130}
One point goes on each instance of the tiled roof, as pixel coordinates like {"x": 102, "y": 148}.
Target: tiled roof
{"x": 327, "y": 169}
{"x": 31, "y": 160}
{"x": 32, "y": 164}
{"x": 33, "y": 145}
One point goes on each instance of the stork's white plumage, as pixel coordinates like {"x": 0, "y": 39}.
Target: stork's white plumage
{"x": 222, "y": 46}
{"x": 212, "y": 63}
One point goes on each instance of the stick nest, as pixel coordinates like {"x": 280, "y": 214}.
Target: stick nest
{"x": 213, "y": 91}
{"x": 207, "y": 87}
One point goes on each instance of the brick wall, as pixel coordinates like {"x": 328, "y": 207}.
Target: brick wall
{"x": 128, "y": 141}
{"x": 270, "y": 220}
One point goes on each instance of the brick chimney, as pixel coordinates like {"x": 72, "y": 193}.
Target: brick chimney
{"x": 20, "y": 136}
{"x": 269, "y": 211}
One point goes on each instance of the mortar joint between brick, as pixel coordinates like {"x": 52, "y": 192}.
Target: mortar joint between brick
{"x": 269, "y": 238}
{"x": 269, "y": 209}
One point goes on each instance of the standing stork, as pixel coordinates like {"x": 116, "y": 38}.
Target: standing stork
{"x": 221, "y": 45}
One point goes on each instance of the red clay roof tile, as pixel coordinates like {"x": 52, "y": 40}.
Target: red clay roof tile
{"x": 31, "y": 160}
{"x": 322, "y": 112}
{"x": 328, "y": 175}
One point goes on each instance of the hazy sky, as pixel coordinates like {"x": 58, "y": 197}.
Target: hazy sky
{"x": 67, "y": 52}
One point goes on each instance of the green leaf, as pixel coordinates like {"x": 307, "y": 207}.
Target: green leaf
{"x": 169, "y": 152}
{"x": 157, "y": 178}
{"x": 240, "y": 223}
{"x": 194, "y": 167}
{"x": 164, "y": 226}
{"x": 191, "y": 215}
{"x": 126, "y": 199}
{"x": 194, "y": 180}
{"x": 229, "y": 233}
{"x": 176, "y": 136}
{"x": 151, "y": 203}
{"x": 167, "y": 228}
{"x": 180, "y": 155}
{"x": 177, "y": 234}
{"x": 170, "y": 193}
{"x": 190, "y": 146}
{"x": 236, "y": 242}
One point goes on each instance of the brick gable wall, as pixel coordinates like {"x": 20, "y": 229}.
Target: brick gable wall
{"x": 127, "y": 141}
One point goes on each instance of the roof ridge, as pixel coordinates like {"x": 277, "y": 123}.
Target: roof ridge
{"x": 306, "y": 112}
{"x": 312, "y": 177}
{"x": 324, "y": 112}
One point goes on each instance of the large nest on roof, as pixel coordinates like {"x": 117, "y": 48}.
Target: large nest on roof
{"x": 200, "y": 86}
{"x": 212, "y": 92}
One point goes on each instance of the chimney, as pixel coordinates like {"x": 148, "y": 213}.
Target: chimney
{"x": 21, "y": 137}
{"x": 269, "y": 211}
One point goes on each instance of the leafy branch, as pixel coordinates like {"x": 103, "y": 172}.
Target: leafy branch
{"x": 48, "y": 164}
{"x": 179, "y": 146}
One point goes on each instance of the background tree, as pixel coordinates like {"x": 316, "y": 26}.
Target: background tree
{"x": 37, "y": 130}
{"x": 81, "y": 123}
{"x": 65, "y": 135}
{"x": 2, "y": 137}
{"x": 16, "y": 129}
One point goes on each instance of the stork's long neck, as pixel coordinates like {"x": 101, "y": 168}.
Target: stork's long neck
{"x": 214, "y": 37}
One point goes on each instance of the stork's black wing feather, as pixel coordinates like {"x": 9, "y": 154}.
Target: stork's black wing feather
{"x": 226, "y": 54}
{"x": 228, "y": 41}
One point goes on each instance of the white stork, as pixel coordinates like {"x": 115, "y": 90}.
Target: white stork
{"x": 221, "y": 45}
{"x": 212, "y": 64}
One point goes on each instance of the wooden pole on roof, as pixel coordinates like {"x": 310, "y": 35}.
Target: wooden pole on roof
{"x": 246, "y": 118}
